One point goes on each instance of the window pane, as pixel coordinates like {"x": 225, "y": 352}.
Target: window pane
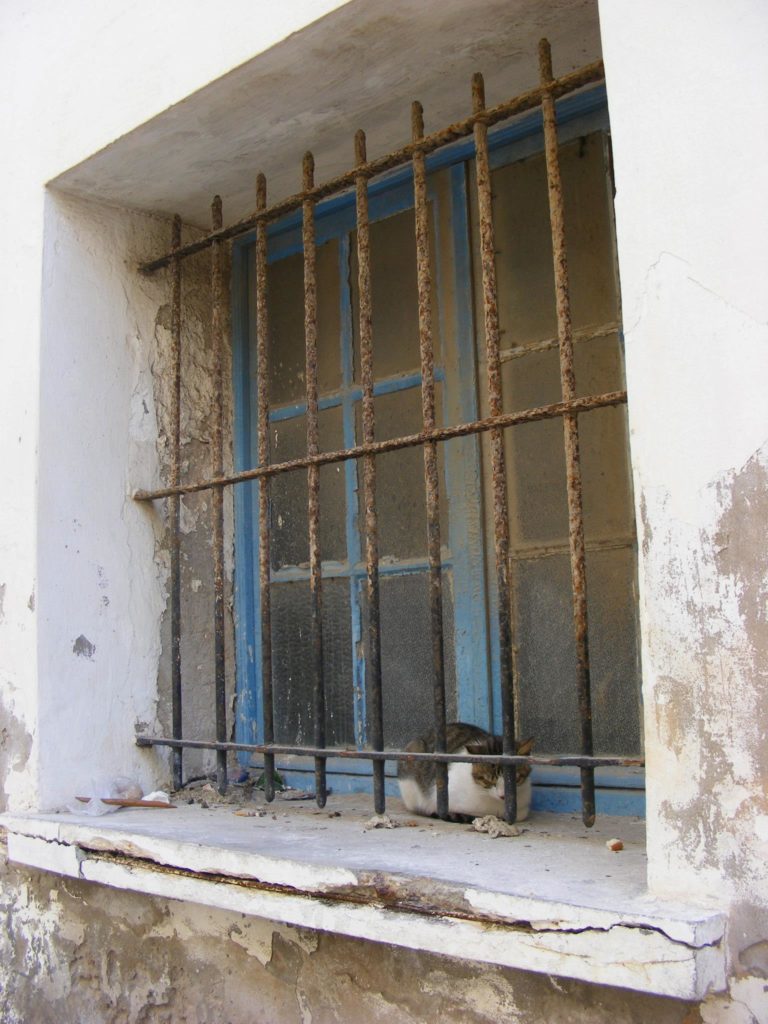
{"x": 290, "y": 523}
{"x": 406, "y": 654}
{"x": 524, "y": 249}
{"x": 535, "y": 452}
{"x": 547, "y": 654}
{"x": 293, "y": 663}
{"x": 285, "y": 282}
{"x": 394, "y": 296}
{"x": 400, "y": 489}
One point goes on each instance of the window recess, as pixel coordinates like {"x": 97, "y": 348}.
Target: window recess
{"x": 431, "y": 458}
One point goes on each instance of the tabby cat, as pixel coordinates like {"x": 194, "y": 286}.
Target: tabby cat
{"x": 473, "y": 789}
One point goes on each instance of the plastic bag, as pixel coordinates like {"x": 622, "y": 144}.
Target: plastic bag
{"x": 119, "y": 788}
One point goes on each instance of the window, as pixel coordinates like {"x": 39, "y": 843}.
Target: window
{"x": 469, "y": 627}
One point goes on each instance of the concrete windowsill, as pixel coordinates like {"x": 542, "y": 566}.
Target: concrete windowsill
{"x": 552, "y": 900}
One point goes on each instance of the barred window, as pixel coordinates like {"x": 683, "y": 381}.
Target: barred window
{"x": 431, "y": 455}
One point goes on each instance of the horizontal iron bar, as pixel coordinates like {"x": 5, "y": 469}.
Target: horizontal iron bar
{"x": 525, "y": 101}
{"x": 510, "y": 419}
{"x": 566, "y": 760}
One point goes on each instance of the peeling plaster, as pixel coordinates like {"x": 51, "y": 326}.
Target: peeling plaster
{"x": 71, "y": 950}
{"x": 709, "y": 710}
{"x": 661, "y": 948}
{"x": 195, "y": 510}
{"x": 15, "y": 750}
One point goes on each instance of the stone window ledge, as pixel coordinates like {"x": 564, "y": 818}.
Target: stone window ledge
{"x": 553, "y": 900}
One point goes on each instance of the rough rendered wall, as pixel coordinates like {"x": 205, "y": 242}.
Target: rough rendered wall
{"x": 81, "y": 952}
{"x": 196, "y": 463}
{"x": 686, "y": 86}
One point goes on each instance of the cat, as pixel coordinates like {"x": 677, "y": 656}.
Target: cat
{"x": 474, "y": 790}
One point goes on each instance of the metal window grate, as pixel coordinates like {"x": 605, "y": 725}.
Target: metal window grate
{"x": 568, "y": 409}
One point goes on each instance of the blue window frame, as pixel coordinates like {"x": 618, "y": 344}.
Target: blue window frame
{"x": 475, "y": 651}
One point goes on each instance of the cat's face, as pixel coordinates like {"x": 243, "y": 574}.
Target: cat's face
{"x": 490, "y": 776}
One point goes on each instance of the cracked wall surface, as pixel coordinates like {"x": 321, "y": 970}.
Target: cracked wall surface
{"x": 74, "y": 951}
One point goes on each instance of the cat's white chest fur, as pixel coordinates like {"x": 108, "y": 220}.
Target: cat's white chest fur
{"x": 465, "y": 796}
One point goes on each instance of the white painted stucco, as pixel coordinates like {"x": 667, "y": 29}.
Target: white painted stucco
{"x": 687, "y": 84}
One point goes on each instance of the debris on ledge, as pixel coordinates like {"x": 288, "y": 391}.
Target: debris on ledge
{"x": 495, "y": 827}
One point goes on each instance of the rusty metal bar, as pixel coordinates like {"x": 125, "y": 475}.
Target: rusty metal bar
{"x": 313, "y": 470}
{"x": 509, "y": 419}
{"x": 217, "y": 498}
{"x": 374, "y": 696}
{"x": 262, "y": 377}
{"x": 570, "y": 428}
{"x": 498, "y": 465}
{"x": 174, "y": 506}
{"x": 529, "y": 100}
{"x": 564, "y": 761}
{"x": 427, "y": 355}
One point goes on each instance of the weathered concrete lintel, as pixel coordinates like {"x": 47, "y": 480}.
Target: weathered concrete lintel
{"x": 679, "y": 953}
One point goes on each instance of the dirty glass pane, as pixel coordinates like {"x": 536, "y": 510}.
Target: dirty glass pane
{"x": 293, "y": 664}
{"x": 290, "y": 541}
{"x": 604, "y": 442}
{"x": 394, "y": 296}
{"x": 547, "y": 655}
{"x": 535, "y": 451}
{"x": 406, "y": 653}
{"x": 524, "y": 248}
{"x": 285, "y": 283}
{"x": 400, "y": 492}
{"x": 536, "y": 484}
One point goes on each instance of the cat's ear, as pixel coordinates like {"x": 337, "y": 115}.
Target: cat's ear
{"x": 524, "y": 747}
{"x": 485, "y": 745}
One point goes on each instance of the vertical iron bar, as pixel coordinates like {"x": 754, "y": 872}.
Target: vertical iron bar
{"x": 424, "y": 283}
{"x": 570, "y": 428}
{"x": 498, "y": 463}
{"x": 174, "y": 506}
{"x": 313, "y": 472}
{"x": 375, "y": 699}
{"x": 217, "y": 495}
{"x": 262, "y": 377}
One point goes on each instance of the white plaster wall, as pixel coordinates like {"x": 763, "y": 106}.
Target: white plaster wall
{"x": 118, "y": 63}
{"x": 687, "y": 85}
{"x": 100, "y": 590}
